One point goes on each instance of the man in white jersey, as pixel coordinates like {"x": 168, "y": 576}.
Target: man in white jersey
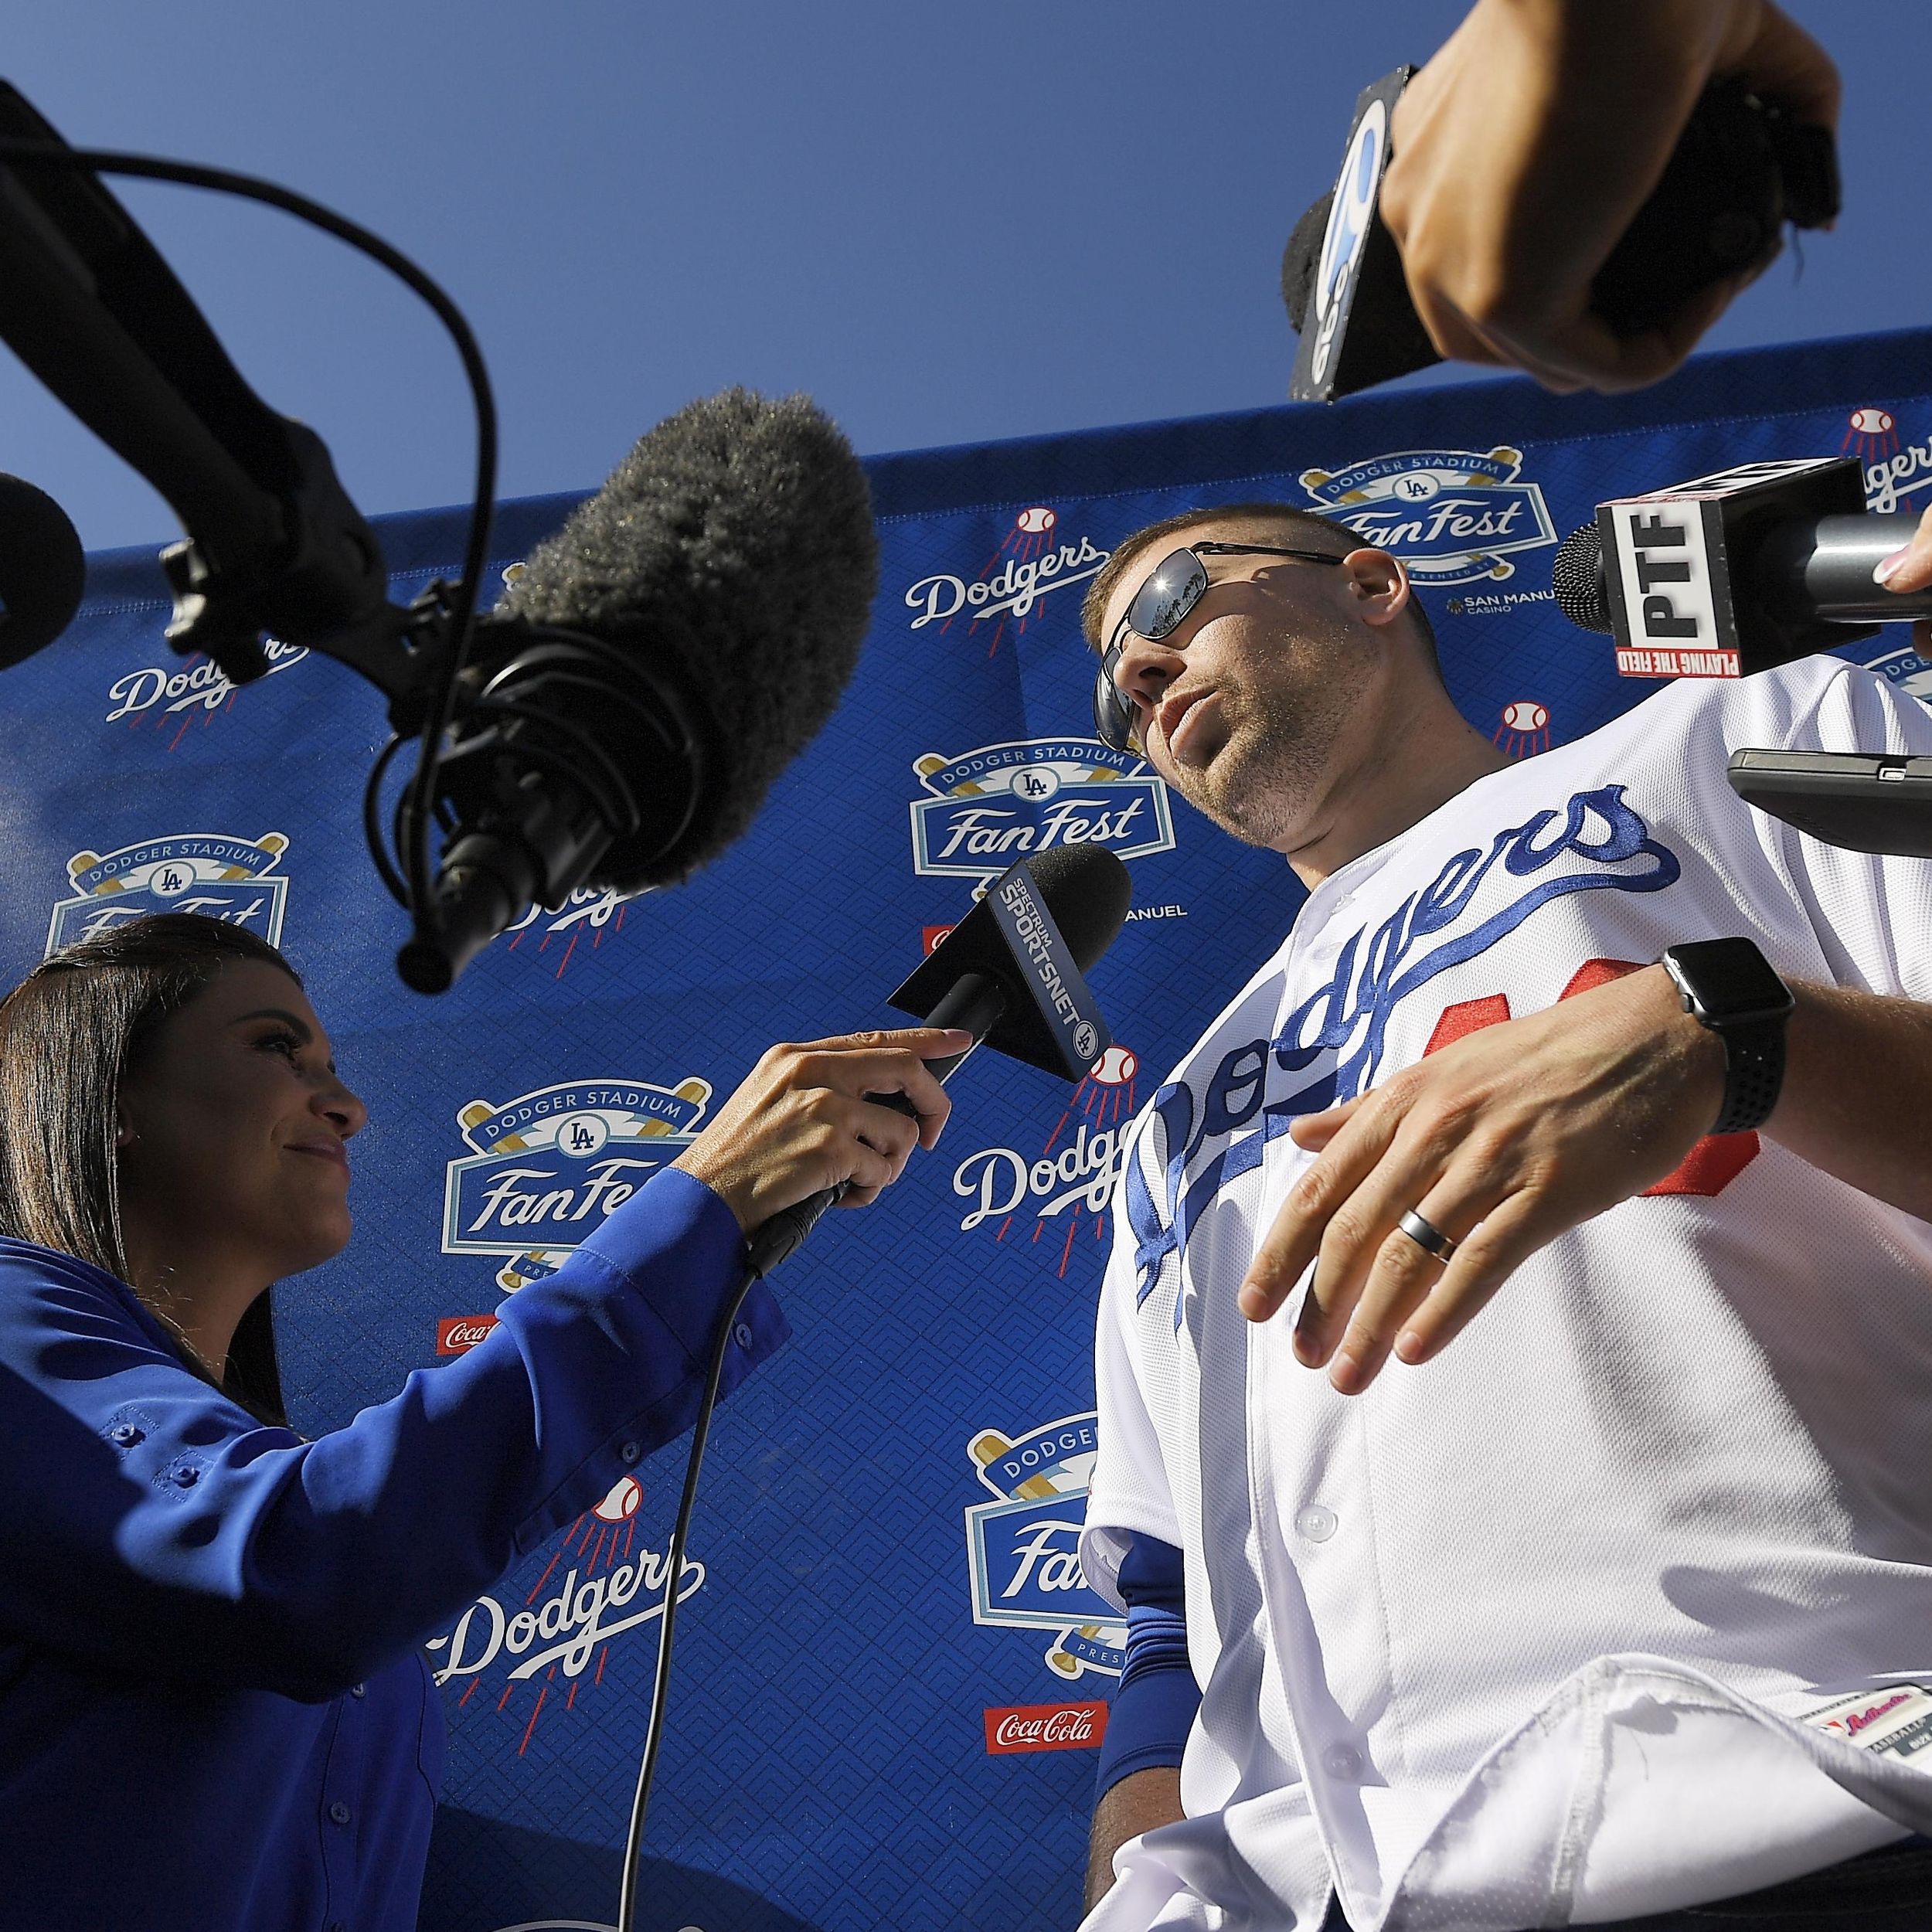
{"x": 1610, "y": 1594}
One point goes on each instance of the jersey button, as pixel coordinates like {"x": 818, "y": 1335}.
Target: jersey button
{"x": 1342, "y": 1761}
{"x": 339, "y": 1812}
{"x": 1317, "y": 1522}
{"x": 742, "y": 1335}
{"x": 630, "y": 1452}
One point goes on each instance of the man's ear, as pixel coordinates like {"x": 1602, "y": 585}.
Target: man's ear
{"x": 1376, "y": 584}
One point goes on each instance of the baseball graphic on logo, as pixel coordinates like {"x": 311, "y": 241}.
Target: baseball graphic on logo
{"x": 1036, "y": 521}
{"x": 1524, "y": 716}
{"x": 626, "y": 1493}
{"x": 1871, "y": 420}
{"x": 1117, "y": 1067}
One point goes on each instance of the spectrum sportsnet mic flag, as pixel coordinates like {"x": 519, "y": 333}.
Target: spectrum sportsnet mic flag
{"x": 892, "y": 1675}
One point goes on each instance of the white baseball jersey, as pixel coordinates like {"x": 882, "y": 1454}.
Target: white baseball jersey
{"x": 1625, "y": 1602}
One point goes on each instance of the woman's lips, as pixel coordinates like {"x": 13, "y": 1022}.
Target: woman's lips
{"x": 323, "y": 1150}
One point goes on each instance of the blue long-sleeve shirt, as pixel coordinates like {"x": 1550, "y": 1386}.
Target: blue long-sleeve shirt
{"x": 213, "y": 1711}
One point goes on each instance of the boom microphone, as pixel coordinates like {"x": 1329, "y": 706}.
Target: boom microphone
{"x": 658, "y": 661}
{"x": 43, "y": 571}
{"x": 1736, "y": 572}
{"x": 1011, "y": 974}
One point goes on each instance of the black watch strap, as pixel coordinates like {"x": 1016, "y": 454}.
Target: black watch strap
{"x": 1753, "y": 1073}
{"x": 1729, "y": 988}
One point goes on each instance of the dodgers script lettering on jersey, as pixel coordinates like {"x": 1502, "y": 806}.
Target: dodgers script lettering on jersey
{"x": 1331, "y": 1044}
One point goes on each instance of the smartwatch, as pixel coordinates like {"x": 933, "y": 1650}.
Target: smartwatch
{"x": 1728, "y": 985}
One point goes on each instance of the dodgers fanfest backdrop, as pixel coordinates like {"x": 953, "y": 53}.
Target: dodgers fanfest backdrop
{"x": 892, "y": 1676}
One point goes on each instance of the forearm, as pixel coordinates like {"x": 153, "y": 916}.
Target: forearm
{"x": 1857, "y": 1097}
{"x": 1138, "y": 1803}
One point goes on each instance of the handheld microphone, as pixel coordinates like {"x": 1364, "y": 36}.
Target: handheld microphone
{"x": 1742, "y": 168}
{"x": 658, "y": 662}
{"x": 1736, "y": 572}
{"x": 1011, "y": 974}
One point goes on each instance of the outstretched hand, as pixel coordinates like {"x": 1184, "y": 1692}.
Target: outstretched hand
{"x": 803, "y": 1120}
{"x": 1503, "y": 1141}
{"x": 1521, "y": 153}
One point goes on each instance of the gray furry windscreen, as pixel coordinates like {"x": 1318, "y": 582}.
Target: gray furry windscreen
{"x": 734, "y": 547}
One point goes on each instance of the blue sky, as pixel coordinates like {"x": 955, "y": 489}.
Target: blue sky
{"x": 949, "y": 223}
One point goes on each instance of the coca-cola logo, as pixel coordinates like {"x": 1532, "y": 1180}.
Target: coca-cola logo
{"x": 455, "y": 1334}
{"x": 1045, "y": 1727}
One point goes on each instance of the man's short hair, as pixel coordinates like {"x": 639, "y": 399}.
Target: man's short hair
{"x": 1303, "y": 529}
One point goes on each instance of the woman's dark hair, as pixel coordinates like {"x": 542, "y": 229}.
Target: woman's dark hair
{"x": 69, "y": 1032}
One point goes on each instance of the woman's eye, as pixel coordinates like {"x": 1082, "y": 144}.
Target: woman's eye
{"x": 281, "y": 1043}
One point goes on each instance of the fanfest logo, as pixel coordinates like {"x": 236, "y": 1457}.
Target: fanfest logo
{"x": 1451, "y": 515}
{"x": 170, "y": 700}
{"x": 212, "y": 873}
{"x": 1907, "y": 669}
{"x": 1032, "y": 562}
{"x": 1068, "y": 1183}
{"x": 1024, "y": 1547}
{"x": 610, "y": 1589}
{"x": 547, "y": 1167}
{"x": 986, "y": 807}
{"x": 554, "y": 934}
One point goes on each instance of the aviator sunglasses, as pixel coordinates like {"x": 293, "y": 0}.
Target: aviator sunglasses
{"x": 1175, "y": 587}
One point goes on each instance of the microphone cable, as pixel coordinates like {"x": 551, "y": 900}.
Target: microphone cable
{"x": 680, "y": 1530}
{"x": 414, "y": 889}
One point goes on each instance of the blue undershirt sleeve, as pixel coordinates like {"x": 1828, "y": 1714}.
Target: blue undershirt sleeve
{"x": 1154, "y": 1708}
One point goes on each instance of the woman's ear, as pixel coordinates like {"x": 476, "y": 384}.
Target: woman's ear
{"x": 1376, "y": 584}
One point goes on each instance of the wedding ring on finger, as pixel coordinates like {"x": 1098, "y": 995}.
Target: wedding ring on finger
{"x": 1428, "y": 1237}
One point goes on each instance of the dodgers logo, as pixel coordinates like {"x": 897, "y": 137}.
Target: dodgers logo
{"x": 1068, "y": 1184}
{"x": 1032, "y": 562}
{"x": 553, "y": 934}
{"x": 609, "y": 1586}
{"x": 549, "y": 1166}
{"x": 1216, "y": 1124}
{"x": 1906, "y": 668}
{"x": 212, "y": 873}
{"x": 1451, "y": 515}
{"x": 172, "y": 699}
{"x": 1894, "y": 473}
{"x": 1024, "y": 1547}
{"x": 986, "y": 807}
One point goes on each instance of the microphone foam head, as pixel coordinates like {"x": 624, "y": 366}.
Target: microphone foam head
{"x": 1576, "y": 577}
{"x": 1301, "y": 258}
{"x": 733, "y": 551}
{"x": 1087, "y": 890}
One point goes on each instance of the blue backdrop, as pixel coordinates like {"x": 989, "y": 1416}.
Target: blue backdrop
{"x": 892, "y": 1677}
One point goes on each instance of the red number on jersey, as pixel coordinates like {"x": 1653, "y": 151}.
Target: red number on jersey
{"x": 1709, "y": 1168}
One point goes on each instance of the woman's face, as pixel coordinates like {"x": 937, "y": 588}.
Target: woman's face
{"x": 232, "y": 1134}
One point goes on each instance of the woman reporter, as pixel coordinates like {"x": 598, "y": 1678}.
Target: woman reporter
{"x": 213, "y": 1711}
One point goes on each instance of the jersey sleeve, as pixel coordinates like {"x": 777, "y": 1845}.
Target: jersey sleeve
{"x": 1871, "y": 914}
{"x": 148, "y": 1524}
{"x": 1128, "y": 1494}
{"x": 1154, "y": 1708}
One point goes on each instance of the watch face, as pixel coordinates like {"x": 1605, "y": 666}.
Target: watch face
{"x": 1727, "y": 980}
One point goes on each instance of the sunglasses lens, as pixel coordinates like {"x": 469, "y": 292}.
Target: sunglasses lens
{"x": 1167, "y": 596}
{"x": 1112, "y": 717}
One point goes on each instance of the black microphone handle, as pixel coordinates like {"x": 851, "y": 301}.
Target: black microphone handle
{"x": 1823, "y": 565}
{"x": 973, "y": 1002}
